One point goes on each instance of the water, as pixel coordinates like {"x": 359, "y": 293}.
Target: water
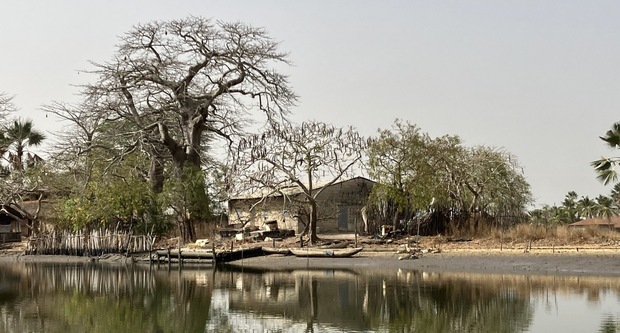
{"x": 110, "y": 298}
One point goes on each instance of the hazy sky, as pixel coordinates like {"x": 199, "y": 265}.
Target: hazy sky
{"x": 538, "y": 78}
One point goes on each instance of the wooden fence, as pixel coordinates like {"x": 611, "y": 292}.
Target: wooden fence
{"x": 93, "y": 243}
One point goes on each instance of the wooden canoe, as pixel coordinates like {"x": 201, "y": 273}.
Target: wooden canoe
{"x": 340, "y": 245}
{"x": 326, "y": 253}
{"x": 276, "y": 250}
{"x": 237, "y": 254}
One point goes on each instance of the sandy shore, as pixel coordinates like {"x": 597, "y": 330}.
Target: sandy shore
{"x": 592, "y": 263}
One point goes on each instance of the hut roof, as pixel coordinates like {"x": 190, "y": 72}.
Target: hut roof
{"x": 13, "y": 211}
{"x": 266, "y": 192}
{"x": 614, "y": 221}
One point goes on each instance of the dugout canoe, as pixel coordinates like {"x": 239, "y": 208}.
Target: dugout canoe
{"x": 276, "y": 250}
{"x": 326, "y": 253}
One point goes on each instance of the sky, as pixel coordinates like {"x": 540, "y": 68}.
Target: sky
{"x": 540, "y": 79}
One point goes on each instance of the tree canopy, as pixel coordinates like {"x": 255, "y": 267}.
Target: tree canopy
{"x": 418, "y": 174}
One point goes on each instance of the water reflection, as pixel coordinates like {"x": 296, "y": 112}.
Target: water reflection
{"x": 106, "y": 298}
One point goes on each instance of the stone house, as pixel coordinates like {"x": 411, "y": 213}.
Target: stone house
{"x": 338, "y": 207}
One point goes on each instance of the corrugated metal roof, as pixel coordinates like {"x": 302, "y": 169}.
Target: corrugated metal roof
{"x": 614, "y": 220}
{"x": 288, "y": 191}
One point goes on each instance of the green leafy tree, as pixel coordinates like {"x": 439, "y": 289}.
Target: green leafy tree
{"x": 187, "y": 198}
{"x": 397, "y": 160}
{"x": 115, "y": 199}
{"x": 461, "y": 182}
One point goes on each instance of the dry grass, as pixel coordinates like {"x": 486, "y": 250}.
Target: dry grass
{"x": 557, "y": 235}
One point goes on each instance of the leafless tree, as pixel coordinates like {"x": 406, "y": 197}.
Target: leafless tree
{"x": 6, "y": 106}
{"x": 297, "y": 159}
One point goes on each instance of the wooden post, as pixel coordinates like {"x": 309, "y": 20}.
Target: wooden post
{"x": 179, "y": 256}
{"x": 501, "y": 236}
{"x": 214, "y": 256}
{"x": 356, "y": 232}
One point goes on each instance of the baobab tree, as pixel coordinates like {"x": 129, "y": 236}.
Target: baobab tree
{"x": 172, "y": 87}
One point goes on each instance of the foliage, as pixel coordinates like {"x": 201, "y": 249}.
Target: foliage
{"x": 23, "y": 172}
{"x": 187, "y": 198}
{"x": 421, "y": 174}
{"x": 575, "y": 208}
{"x": 127, "y": 204}
{"x": 605, "y": 166}
{"x": 19, "y": 135}
{"x": 95, "y": 188}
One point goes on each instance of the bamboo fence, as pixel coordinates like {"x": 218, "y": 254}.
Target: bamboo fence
{"x": 93, "y": 243}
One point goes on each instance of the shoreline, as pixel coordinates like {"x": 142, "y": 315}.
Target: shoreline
{"x": 590, "y": 262}
{"x": 576, "y": 264}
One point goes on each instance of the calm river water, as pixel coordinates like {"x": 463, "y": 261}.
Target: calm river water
{"x": 134, "y": 298}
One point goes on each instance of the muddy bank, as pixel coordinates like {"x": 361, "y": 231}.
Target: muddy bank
{"x": 591, "y": 264}
{"x": 61, "y": 259}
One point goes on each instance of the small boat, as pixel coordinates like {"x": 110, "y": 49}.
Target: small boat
{"x": 337, "y": 245}
{"x": 185, "y": 254}
{"x": 237, "y": 254}
{"x": 276, "y": 250}
{"x": 326, "y": 253}
{"x": 220, "y": 256}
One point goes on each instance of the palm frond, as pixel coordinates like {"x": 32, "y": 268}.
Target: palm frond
{"x": 612, "y": 137}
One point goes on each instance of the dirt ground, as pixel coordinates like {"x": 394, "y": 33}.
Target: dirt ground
{"x": 431, "y": 254}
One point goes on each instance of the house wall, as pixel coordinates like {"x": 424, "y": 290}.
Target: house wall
{"x": 338, "y": 206}
{"x": 271, "y": 209}
{"x": 342, "y": 203}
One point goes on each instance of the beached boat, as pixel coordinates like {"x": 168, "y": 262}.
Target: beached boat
{"x": 237, "y": 254}
{"x": 277, "y": 250}
{"x": 336, "y": 245}
{"x": 220, "y": 257}
{"x": 326, "y": 253}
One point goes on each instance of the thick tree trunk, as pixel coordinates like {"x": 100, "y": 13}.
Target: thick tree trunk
{"x": 156, "y": 175}
{"x": 312, "y": 235}
{"x": 186, "y": 204}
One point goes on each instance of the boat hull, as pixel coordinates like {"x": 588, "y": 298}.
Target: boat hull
{"x": 325, "y": 253}
{"x": 276, "y": 250}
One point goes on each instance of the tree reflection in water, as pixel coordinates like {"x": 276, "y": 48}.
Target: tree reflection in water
{"x": 105, "y": 298}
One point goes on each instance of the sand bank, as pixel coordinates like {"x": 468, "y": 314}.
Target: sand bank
{"x": 593, "y": 263}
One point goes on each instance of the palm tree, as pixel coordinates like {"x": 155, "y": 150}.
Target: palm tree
{"x": 19, "y": 135}
{"x": 586, "y": 207}
{"x": 606, "y": 208}
{"x": 615, "y": 194}
{"x": 605, "y": 167}
{"x": 570, "y": 206}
